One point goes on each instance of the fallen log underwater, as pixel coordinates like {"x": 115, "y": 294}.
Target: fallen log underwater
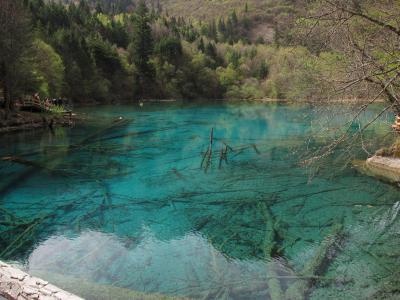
{"x": 66, "y": 150}
{"x": 269, "y": 247}
{"x": 313, "y": 270}
{"x": 294, "y": 285}
{"x": 317, "y": 265}
{"x": 27, "y": 235}
{"x": 135, "y": 133}
{"x": 24, "y": 232}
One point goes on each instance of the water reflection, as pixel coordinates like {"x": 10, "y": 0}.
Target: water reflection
{"x": 188, "y": 265}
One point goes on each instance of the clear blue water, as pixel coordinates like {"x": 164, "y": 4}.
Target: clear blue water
{"x": 131, "y": 204}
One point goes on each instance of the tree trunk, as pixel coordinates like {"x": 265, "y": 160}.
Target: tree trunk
{"x": 7, "y": 100}
{"x": 5, "y": 84}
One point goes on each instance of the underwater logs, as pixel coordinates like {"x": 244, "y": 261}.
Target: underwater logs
{"x": 317, "y": 265}
{"x": 269, "y": 247}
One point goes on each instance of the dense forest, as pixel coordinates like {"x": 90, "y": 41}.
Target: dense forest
{"x": 124, "y": 50}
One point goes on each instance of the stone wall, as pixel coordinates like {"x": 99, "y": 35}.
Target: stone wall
{"x": 18, "y": 285}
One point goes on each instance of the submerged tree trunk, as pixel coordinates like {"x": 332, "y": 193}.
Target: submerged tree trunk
{"x": 317, "y": 265}
{"x": 269, "y": 247}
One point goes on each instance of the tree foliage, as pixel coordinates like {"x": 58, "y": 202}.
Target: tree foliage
{"x": 48, "y": 69}
{"x": 367, "y": 35}
{"x": 15, "y": 41}
{"x": 142, "y": 48}
{"x": 114, "y": 50}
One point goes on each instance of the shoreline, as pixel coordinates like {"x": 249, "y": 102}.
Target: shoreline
{"x": 16, "y": 284}
{"x": 322, "y": 101}
{"x": 26, "y": 121}
{"x": 349, "y": 101}
{"x": 23, "y": 121}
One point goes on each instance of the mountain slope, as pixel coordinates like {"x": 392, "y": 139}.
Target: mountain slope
{"x": 263, "y": 19}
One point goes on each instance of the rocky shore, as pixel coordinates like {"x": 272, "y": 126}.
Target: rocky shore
{"x": 387, "y": 168}
{"x": 18, "y": 285}
{"x": 382, "y": 167}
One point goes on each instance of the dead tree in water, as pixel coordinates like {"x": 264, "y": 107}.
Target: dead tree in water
{"x": 206, "y": 161}
{"x": 207, "y": 158}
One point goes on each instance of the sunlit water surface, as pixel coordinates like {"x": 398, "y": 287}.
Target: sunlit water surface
{"x": 138, "y": 205}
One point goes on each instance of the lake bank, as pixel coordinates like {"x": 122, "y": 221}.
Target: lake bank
{"x": 23, "y": 120}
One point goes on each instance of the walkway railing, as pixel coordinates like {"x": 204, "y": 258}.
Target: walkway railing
{"x": 40, "y": 105}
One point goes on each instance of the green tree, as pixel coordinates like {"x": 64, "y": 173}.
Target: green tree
{"x": 262, "y": 71}
{"x": 201, "y": 46}
{"x": 169, "y": 49}
{"x": 48, "y": 68}
{"x": 213, "y": 30}
{"x": 211, "y": 51}
{"x": 234, "y": 18}
{"x": 142, "y": 49}
{"x": 15, "y": 41}
{"x": 228, "y": 76}
{"x": 233, "y": 58}
{"x": 222, "y": 27}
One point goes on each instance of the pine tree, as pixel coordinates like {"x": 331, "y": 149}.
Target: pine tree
{"x": 221, "y": 26}
{"x": 213, "y": 30}
{"x": 142, "y": 48}
{"x": 201, "y": 46}
{"x": 234, "y": 18}
{"x": 211, "y": 51}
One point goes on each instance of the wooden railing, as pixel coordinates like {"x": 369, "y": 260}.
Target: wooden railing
{"x": 35, "y": 104}
{"x": 39, "y": 105}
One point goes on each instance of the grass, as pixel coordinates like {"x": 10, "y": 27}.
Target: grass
{"x": 57, "y": 109}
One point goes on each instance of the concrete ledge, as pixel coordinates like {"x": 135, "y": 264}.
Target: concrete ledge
{"x": 18, "y": 285}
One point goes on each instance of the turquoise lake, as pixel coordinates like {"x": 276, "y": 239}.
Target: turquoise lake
{"x": 133, "y": 201}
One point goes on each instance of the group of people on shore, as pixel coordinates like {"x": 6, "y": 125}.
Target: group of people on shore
{"x": 48, "y": 101}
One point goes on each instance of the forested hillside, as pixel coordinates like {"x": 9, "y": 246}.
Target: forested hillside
{"x": 123, "y": 50}
{"x": 261, "y": 19}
